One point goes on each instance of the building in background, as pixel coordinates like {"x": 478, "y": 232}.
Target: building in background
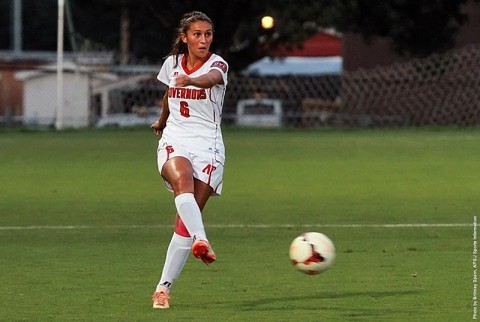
{"x": 12, "y": 87}
{"x": 39, "y": 95}
{"x": 320, "y": 54}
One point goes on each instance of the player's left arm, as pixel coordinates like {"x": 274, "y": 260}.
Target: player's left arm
{"x": 160, "y": 124}
{"x": 208, "y": 80}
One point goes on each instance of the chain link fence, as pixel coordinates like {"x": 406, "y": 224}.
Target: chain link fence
{"x": 443, "y": 89}
{"x": 438, "y": 90}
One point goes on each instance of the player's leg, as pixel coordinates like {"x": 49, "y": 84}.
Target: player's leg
{"x": 176, "y": 168}
{"x": 178, "y": 171}
{"x": 179, "y": 249}
{"x": 177, "y": 255}
{"x": 201, "y": 247}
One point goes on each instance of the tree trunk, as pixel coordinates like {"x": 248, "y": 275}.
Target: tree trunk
{"x": 124, "y": 34}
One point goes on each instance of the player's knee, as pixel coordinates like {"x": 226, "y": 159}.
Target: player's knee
{"x": 180, "y": 183}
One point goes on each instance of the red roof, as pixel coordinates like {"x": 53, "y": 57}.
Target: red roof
{"x": 319, "y": 45}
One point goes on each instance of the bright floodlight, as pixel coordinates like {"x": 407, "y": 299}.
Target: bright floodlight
{"x": 268, "y": 22}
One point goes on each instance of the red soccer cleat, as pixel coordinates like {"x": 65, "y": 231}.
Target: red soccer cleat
{"x": 201, "y": 249}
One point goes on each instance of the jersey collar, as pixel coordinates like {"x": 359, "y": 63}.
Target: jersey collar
{"x": 190, "y": 71}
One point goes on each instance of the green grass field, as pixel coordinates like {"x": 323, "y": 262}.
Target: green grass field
{"x": 85, "y": 222}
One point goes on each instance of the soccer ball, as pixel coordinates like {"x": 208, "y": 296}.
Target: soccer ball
{"x": 312, "y": 253}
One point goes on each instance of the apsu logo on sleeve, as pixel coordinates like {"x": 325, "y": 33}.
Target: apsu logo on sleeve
{"x": 220, "y": 65}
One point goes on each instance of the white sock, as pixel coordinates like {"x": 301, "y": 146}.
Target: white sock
{"x": 191, "y": 215}
{"x": 177, "y": 255}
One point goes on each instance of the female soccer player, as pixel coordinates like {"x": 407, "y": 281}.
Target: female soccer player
{"x": 191, "y": 152}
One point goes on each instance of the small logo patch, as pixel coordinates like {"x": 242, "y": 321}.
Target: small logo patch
{"x": 220, "y": 65}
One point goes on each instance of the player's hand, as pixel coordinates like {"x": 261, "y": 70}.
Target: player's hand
{"x": 182, "y": 80}
{"x": 157, "y": 128}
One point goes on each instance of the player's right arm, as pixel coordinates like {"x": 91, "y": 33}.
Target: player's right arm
{"x": 208, "y": 80}
{"x": 160, "y": 124}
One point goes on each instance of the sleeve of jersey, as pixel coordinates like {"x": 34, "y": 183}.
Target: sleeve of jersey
{"x": 222, "y": 67}
{"x": 165, "y": 72}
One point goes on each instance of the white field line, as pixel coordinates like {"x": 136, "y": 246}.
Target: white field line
{"x": 239, "y": 226}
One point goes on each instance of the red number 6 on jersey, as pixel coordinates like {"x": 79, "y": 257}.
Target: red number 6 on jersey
{"x": 184, "y": 110}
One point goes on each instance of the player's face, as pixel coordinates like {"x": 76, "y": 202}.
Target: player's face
{"x": 198, "y": 38}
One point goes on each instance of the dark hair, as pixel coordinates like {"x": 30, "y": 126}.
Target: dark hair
{"x": 178, "y": 46}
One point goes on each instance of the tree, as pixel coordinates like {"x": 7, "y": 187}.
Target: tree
{"x": 417, "y": 28}
{"x": 35, "y": 19}
{"x": 238, "y": 33}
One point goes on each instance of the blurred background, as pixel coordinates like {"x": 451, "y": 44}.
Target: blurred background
{"x": 310, "y": 63}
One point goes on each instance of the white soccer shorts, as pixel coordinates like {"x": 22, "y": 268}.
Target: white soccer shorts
{"x": 205, "y": 169}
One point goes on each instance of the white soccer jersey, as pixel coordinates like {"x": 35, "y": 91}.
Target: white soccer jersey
{"x": 195, "y": 113}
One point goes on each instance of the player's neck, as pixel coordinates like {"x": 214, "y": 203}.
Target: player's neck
{"x": 193, "y": 62}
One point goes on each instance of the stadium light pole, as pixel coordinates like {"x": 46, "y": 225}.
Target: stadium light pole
{"x": 59, "y": 105}
{"x": 17, "y": 25}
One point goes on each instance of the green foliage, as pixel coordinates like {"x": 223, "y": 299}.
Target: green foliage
{"x": 417, "y": 28}
{"x": 96, "y": 222}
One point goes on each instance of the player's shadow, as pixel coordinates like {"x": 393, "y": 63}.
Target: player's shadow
{"x": 266, "y": 301}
